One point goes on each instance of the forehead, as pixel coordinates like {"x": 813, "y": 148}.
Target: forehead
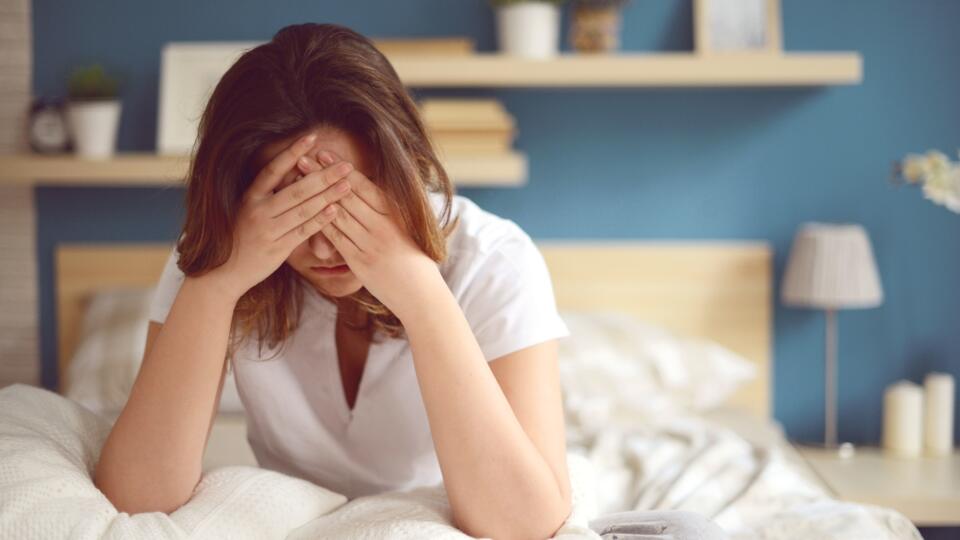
{"x": 335, "y": 140}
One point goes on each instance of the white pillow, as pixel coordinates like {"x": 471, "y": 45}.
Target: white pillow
{"x": 112, "y": 341}
{"x": 49, "y": 447}
{"x": 615, "y": 366}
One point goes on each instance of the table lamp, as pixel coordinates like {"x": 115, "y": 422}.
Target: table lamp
{"x": 831, "y": 267}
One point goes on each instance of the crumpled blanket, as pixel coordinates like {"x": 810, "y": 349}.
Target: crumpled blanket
{"x": 49, "y": 446}
{"x": 751, "y": 490}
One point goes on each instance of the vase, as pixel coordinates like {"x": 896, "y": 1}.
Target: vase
{"x": 93, "y": 127}
{"x": 529, "y": 29}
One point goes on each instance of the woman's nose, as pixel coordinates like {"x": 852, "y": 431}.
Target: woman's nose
{"x": 321, "y": 247}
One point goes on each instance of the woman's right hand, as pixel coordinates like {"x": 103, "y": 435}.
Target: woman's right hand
{"x": 271, "y": 224}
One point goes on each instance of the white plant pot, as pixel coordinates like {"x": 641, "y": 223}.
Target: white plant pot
{"x": 529, "y": 29}
{"x": 93, "y": 127}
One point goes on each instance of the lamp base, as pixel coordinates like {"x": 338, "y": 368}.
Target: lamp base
{"x": 844, "y": 450}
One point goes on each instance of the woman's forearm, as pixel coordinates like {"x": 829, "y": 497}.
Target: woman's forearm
{"x": 152, "y": 459}
{"x": 498, "y": 483}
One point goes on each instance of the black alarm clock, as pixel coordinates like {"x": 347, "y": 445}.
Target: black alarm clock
{"x": 48, "y": 131}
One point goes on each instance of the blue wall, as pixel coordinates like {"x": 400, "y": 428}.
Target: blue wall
{"x": 629, "y": 163}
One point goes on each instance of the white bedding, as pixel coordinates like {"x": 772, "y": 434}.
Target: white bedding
{"x": 751, "y": 489}
{"x": 48, "y": 446}
{"x": 650, "y": 451}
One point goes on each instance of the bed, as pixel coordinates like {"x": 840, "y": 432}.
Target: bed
{"x": 702, "y": 439}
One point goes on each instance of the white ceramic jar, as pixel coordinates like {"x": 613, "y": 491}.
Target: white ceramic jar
{"x": 529, "y": 29}
{"x": 93, "y": 127}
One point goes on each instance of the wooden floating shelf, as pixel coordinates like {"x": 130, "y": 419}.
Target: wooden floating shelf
{"x": 147, "y": 169}
{"x": 488, "y": 70}
{"x": 631, "y": 70}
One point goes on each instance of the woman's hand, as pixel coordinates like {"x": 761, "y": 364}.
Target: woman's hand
{"x": 369, "y": 233}
{"x": 272, "y": 222}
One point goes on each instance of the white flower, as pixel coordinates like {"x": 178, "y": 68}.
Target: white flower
{"x": 944, "y": 188}
{"x": 953, "y": 202}
{"x": 939, "y": 177}
{"x": 913, "y": 167}
{"x": 936, "y": 163}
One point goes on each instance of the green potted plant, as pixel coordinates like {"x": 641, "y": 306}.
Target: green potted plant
{"x": 93, "y": 111}
{"x": 596, "y": 25}
{"x": 528, "y": 28}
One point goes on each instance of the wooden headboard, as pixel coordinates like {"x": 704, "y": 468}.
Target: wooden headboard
{"x": 716, "y": 290}
{"x": 82, "y": 269}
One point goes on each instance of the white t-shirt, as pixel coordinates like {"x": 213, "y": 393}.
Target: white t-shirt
{"x": 298, "y": 420}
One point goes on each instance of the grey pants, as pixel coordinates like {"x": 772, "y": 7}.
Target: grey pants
{"x": 656, "y": 525}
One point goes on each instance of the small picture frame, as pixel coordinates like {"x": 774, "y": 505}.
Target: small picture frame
{"x": 189, "y": 71}
{"x": 737, "y": 27}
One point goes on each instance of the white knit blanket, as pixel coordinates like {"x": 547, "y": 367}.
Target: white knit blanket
{"x": 49, "y": 446}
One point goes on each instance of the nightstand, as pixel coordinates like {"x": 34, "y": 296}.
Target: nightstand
{"x": 926, "y": 490}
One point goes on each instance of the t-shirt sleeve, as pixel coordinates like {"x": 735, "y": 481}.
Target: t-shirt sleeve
{"x": 166, "y": 289}
{"x": 509, "y": 303}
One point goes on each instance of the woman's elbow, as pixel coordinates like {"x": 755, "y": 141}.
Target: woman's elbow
{"x": 535, "y": 525}
{"x": 131, "y": 496}
{"x": 553, "y": 523}
{"x": 547, "y": 525}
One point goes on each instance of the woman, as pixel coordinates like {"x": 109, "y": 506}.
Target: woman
{"x": 384, "y": 333}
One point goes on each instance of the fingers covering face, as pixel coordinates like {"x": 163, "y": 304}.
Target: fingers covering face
{"x": 362, "y": 186}
{"x": 354, "y": 228}
{"x": 307, "y": 187}
{"x": 361, "y": 211}
{"x": 308, "y": 228}
{"x": 309, "y": 209}
{"x": 272, "y": 174}
{"x": 344, "y": 244}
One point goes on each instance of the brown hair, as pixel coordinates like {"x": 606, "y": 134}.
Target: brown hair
{"x": 308, "y": 75}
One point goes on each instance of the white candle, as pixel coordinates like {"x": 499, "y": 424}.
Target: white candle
{"x": 903, "y": 419}
{"x": 938, "y": 414}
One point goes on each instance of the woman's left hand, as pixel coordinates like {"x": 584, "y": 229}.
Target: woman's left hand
{"x": 370, "y": 235}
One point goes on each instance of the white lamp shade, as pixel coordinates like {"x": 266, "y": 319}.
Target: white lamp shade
{"x": 831, "y": 266}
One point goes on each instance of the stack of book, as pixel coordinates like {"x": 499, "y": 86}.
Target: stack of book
{"x": 424, "y": 46}
{"x": 461, "y": 126}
